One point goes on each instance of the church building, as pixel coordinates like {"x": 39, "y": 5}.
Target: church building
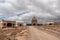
{"x": 34, "y": 22}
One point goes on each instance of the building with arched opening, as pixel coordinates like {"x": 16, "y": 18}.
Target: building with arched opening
{"x": 7, "y": 23}
{"x": 19, "y": 24}
{"x": 34, "y": 22}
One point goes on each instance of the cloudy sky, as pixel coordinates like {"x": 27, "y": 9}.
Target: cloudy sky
{"x": 24, "y": 10}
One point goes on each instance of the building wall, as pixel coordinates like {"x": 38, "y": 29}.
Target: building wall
{"x": 1, "y": 24}
{"x": 6, "y": 23}
{"x": 50, "y": 23}
{"x": 19, "y": 24}
{"x": 34, "y": 21}
{"x": 53, "y": 23}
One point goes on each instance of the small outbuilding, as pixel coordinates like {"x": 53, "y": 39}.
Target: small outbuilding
{"x": 19, "y": 24}
{"x": 50, "y": 23}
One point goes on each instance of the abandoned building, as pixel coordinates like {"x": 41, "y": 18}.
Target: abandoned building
{"x": 34, "y": 22}
{"x": 53, "y": 23}
{"x": 19, "y": 24}
{"x": 50, "y": 23}
{"x": 7, "y": 23}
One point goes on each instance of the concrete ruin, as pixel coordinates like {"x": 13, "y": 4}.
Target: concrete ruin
{"x": 19, "y": 24}
{"x": 34, "y": 22}
{"x": 7, "y": 23}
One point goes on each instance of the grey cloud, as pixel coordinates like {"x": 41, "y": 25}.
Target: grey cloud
{"x": 44, "y": 12}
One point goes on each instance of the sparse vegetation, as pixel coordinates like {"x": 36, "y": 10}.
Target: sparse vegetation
{"x": 22, "y": 32}
{"x": 53, "y": 28}
{"x": 13, "y": 33}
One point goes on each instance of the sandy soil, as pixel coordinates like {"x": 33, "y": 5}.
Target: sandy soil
{"x": 36, "y": 34}
{"x": 20, "y": 33}
{"x": 30, "y": 33}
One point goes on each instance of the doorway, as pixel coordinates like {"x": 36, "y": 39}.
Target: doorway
{"x": 9, "y": 24}
{"x": 34, "y": 24}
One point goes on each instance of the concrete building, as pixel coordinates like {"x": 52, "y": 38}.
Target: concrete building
{"x": 7, "y": 23}
{"x": 53, "y": 23}
{"x": 50, "y": 23}
{"x": 34, "y": 22}
{"x": 19, "y": 24}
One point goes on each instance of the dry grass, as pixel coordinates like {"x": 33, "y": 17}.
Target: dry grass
{"x": 13, "y": 33}
{"x": 53, "y": 28}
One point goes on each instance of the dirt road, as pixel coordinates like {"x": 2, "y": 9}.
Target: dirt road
{"x": 35, "y": 34}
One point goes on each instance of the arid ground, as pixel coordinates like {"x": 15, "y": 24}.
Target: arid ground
{"x": 20, "y": 33}
{"x": 31, "y": 33}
